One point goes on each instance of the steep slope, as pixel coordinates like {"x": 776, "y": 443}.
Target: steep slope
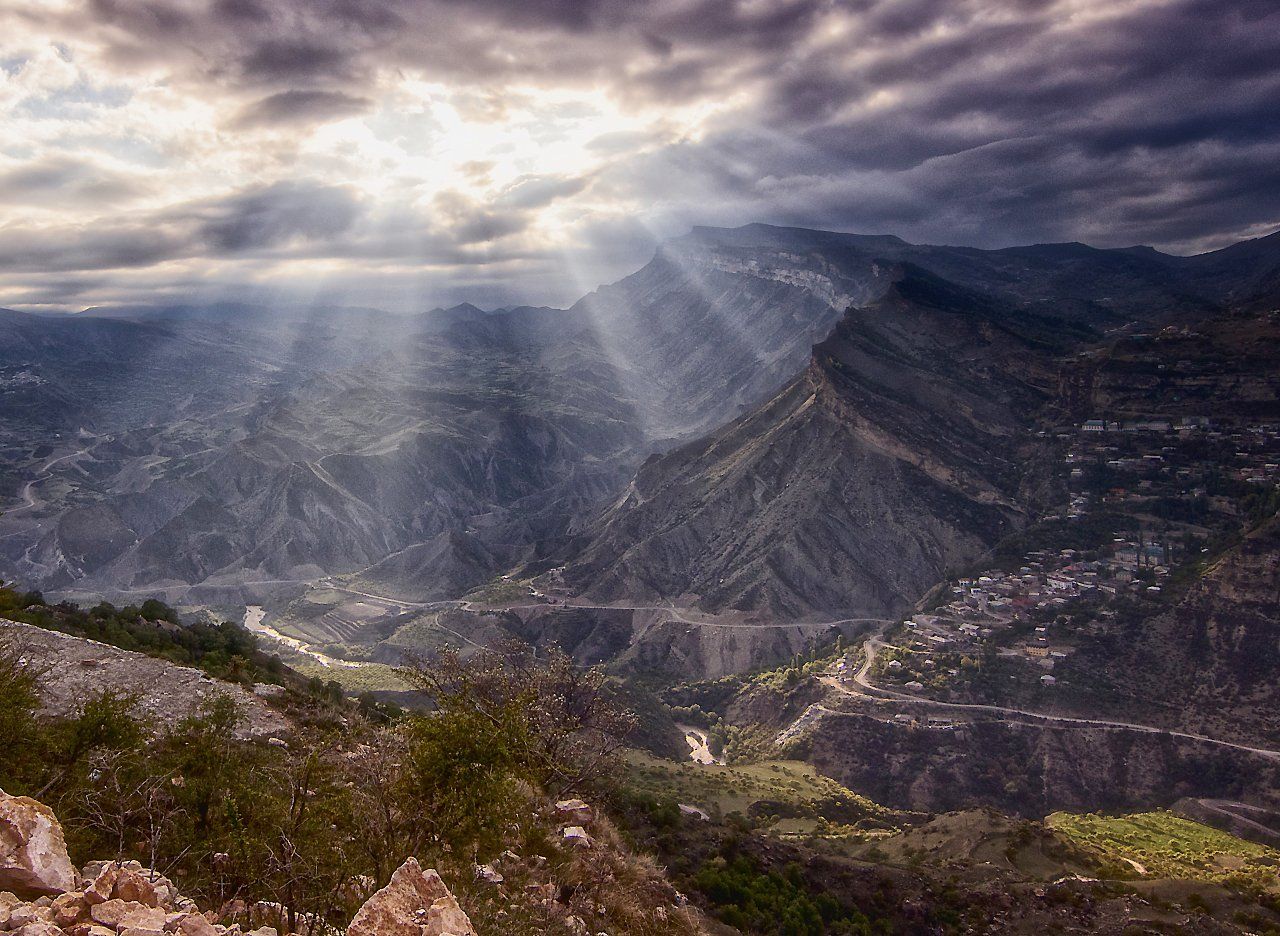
{"x": 891, "y": 458}
{"x": 758, "y": 297}
{"x": 1246, "y": 274}
{"x": 1208, "y": 663}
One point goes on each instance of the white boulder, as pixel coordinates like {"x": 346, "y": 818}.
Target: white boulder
{"x": 33, "y": 853}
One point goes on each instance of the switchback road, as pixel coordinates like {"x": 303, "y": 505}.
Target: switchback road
{"x": 1012, "y": 715}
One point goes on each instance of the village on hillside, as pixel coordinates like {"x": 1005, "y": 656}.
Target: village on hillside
{"x": 1148, "y": 503}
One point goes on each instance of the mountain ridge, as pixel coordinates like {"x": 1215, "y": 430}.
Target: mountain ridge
{"x": 307, "y": 446}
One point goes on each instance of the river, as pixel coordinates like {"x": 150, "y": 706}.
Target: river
{"x": 699, "y": 749}
{"x": 253, "y": 618}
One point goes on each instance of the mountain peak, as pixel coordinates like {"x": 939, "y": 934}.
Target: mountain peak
{"x": 461, "y": 310}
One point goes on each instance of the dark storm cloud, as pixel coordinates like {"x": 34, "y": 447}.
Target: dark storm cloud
{"x": 305, "y": 217}
{"x": 248, "y": 43}
{"x": 966, "y": 121}
{"x": 62, "y": 250}
{"x": 290, "y": 60}
{"x": 301, "y": 107}
{"x": 65, "y": 180}
{"x": 471, "y": 222}
{"x": 1157, "y": 122}
{"x": 275, "y": 215}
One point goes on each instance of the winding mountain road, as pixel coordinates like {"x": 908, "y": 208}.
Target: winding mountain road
{"x": 875, "y": 693}
{"x": 28, "y": 489}
{"x": 677, "y": 614}
{"x": 1232, "y": 811}
{"x": 29, "y": 499}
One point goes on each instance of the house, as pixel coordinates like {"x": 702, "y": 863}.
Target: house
{"x": 915, "y": 685}
{"x": 1048, "y": 680}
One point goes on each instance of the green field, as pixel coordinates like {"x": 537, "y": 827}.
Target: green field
{"x": 788, "y": 796}
{"x": 1160, "y": 844}
{"x": 500, "y": 592}
{"x": 371, "y": 677}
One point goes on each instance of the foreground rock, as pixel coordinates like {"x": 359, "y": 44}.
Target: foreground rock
{"x": 414, "y": 903}
{"x": 33, "y": 853}
{"x": 125, "y": 898}
{"x": 42, "y": 895}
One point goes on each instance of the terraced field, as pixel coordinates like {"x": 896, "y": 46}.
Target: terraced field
{"x": 1160, "y": 844}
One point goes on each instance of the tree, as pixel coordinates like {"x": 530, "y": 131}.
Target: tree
{"x": 559, "y": 725}
{"x": 462, "y": 767}
{"x": 19, "y": 700}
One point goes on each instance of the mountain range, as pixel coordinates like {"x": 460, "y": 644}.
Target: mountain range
{"x": 785, "y": 423}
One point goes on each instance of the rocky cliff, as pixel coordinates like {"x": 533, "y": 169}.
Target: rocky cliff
{"x": 1206, "y": 664}
{"x": 1029, "y": 769}
{"x": 891, "y": 458}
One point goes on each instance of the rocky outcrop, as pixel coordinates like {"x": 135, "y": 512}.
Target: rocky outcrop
{"x": 124, "y": 898}
{"x": 33, "y": 854}
{"x": 75, "y": 668}
{"x": 414, "y": 903}
{"x": 42, "y": 895}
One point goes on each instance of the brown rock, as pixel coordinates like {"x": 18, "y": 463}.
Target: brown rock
{"x": 38, "y": 928}
{"x": 91, "y": 871}
{"x": 166, "y": 892}
{"x": 132, "y": 886}
{"x": 122, "y": 882}
{"x": 122, "y": 915}
{"x": 232, "y": 908}
{"x": 69, "y": 909}
{"x": 445, "y": 918}
{"x": 414, "y": 903}
{"x": 33, "y": 853}
{"x": 100, "y": 881}
{"x": 7, "y": 902}
{"x": 24, "y": 913}
{"x": 190, "y": 924}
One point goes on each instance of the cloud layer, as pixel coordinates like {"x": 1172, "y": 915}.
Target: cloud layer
{"x": 414, "y": 152}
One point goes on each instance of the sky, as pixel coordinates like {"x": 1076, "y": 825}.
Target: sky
{"x": 405, "y": 154}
